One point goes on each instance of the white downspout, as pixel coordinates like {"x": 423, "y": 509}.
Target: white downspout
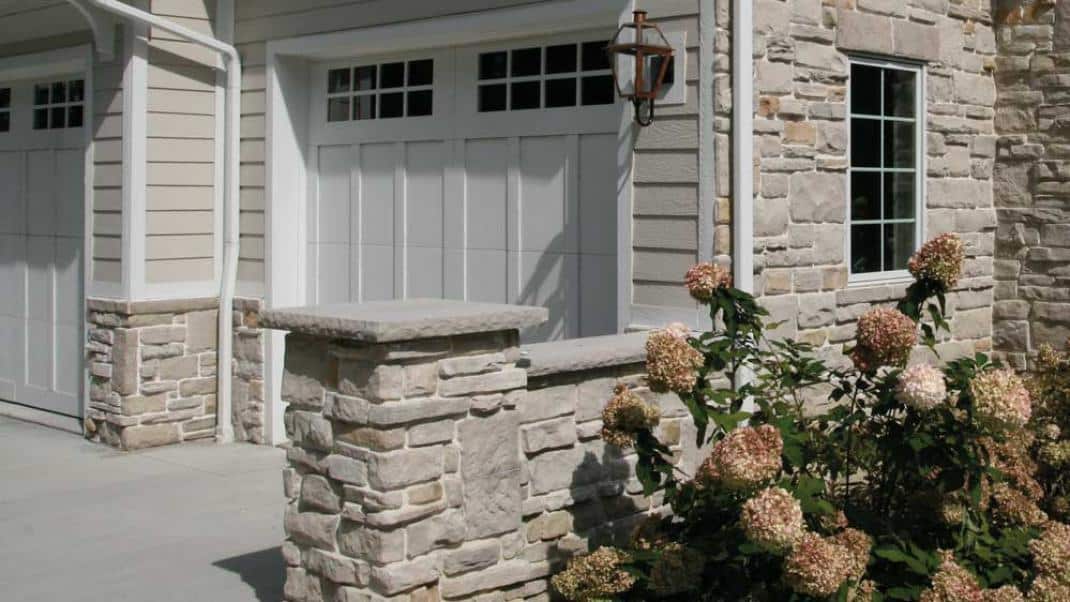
{"x": 232, "y": 115}
{"x": 743, "y": 144}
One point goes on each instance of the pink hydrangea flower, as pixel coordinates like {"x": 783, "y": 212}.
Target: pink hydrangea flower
{"x": 773, "y": 520}
{"x": 671, "y": 362}
{"x": 745, "y": 459}
{"x": 625, "y": 415}
{"x": 885, "y": 338}
{"x": 817, "y": 566}
{"x": 1051, "y": 552}
{"x": 939, "y": 261}
{"x": 952, "y": 583}
{"x": 1007, "y": 593}
{"x": 705, "y": 278}
{"x": 1000, "y": 399}
{"x": 921, "y": 387}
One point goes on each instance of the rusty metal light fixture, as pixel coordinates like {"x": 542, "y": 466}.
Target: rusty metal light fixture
{"x": 641, "y": 57}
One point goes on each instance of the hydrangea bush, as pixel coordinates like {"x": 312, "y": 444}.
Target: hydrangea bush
{"x": 916, "y": 482}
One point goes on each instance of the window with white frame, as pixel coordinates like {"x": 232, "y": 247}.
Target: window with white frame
{"x": 545, "y": 77}
{"x": 886, "y": 171}
{"x": 5, "y": 110}
{"x": 58, "y": 105}
{"x": 381, "y": 91}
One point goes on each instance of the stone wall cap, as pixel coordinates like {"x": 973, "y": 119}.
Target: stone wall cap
{"x": 411, "y": 319}
{"x": 590, "y": 353}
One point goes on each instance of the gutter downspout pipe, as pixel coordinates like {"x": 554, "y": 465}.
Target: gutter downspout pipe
{"x": 743, "y": 158}
{"x": 232, "y": 115}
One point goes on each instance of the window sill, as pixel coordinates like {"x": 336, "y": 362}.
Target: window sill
{"x": 880, "y": 279}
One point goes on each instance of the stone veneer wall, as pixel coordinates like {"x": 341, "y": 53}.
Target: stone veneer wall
{"x": 802, "y": 49}
{"x": 247, "y": 403}
{"x": 1033, "y": 186}
{"x": 152, "y": 371}
{"x": 437, "y": 469}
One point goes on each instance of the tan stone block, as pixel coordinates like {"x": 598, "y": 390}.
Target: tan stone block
{"x": 371, "y": 438}
{"x": 201, "y": 330}
{"x": 800, "y": 132}
{"x": 124, "y": 362}
{"x": 140, "y": 437}
{"x": 143, "y": 404}
{"x": 425, "y": 493}
{"x": 177, "y": 368}
{"x": 420, "y": 379}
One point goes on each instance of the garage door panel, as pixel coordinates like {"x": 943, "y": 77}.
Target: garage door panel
{"x": 487, "y": 173}
{"x": 598, "y": 303}
{"x": 12, "y": 203}
{"x": 377, "y": 273}
{"x": 598, "y": 191}
{"x": 12, "y": 275}
{"x": 68, "y": 281}
{"x": 41, "y": 192}
{"x": 40, "y": 257}
{"x": 545, "y": 221}
{"x": 70, "y": 198}
{"x": 68, "y": 359}
{"x": 550, "y": 280}
{"x": 335, "y": 165}
{"x": 39, "y": 346}
{"x": 424, "y": 171}
{"x": 333, "y": 284}
{"x": 10, "y": 355}
{"x": 487, "y": 276}
{"x": 424, "y": 273}
{"x": 378, "y": 164}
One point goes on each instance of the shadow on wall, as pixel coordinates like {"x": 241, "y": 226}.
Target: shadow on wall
{"x": 263, "y": 571}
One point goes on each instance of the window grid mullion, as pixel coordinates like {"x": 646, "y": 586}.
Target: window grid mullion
{"x": 884, "y": 268}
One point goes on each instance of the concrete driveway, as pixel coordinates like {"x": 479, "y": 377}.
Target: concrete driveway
{"x": 79, "y": 521}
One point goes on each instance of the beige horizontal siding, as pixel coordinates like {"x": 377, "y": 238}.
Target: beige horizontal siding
{"x": 107, "y": 226}
{"x": 37, "y": 21}
{"x": 181, "y": 148}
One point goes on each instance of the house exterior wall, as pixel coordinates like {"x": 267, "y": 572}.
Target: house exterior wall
{"x": 801, "y": 136}
{"x": 180, "y": 202}
{"x": 1032, "y": 187}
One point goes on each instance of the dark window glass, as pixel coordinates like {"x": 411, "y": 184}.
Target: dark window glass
{"x": 337, "y": 81}
{"x": 5, "y": 98}
{"x": 420, "y": 103}
{"x": 74, "y": 116}
{"x": 40, "y": 119}
{"x": 338, "y": 109}
{"x": 594, "y": 56}
{"x": 391, "y": 105}
{"x": 5, "y": 121}
{"x": 364, "y": 107}
{"x": 865, "y": 143}
{"x": 561, "y": 59}
{"x": 40, "y": 94}
{"x": 76, "y": 90}
{"x": 865, "y": 248}
{"x": 492, "y": 98}
{"x": 655, "y": 68}
{"x": 493, "y": 65}
{"x": 899, "y": 195}
{"x": 899, "y": 144}
{"x": 865, "y": 90}
{"x": 598, "y": 90}
{"x": 898, "y": 245}
{"x": 899, "y": 93}
{"x": 421, "y": 73}
{"x": 59, "y": 92}
{"x": 59, "y": 118}
{"x": 391, "y": 75}
{"x": 561, "y": 92}
{"x": 526, "y": 95}
{"x": 527, "y": 61}
{"x": 865, "y": 196}
{"x": 364, "y": 78}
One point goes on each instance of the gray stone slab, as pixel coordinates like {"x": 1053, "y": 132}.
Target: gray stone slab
{"x": 574, "y": 355}
{"x": 411, "y": 319}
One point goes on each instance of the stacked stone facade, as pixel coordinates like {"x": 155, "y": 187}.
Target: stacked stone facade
{"x": 436, "y": 469}
{"x": 802, "y": 50}
{"x": 1032, "y": 305}
{"x": 247, "y": 403}
{"x": 152, "y": 372}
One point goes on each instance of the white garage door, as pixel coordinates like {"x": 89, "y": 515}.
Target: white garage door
{"x": 484, "y": 173}
{"x": 42, "y": 174}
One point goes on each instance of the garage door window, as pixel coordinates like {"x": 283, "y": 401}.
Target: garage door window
{"x": 5, "y": 109}
{"x": 58, "y": 105}
{"x": 545, "y": 77}
{"x": 381, "y": 91}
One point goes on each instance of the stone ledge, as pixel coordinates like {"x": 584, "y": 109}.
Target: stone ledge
{"x": 389, "y": 321}
{"x": 163, "y": 306}
{"x": 577, "y": 355}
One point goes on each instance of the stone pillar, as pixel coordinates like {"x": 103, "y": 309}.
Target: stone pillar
{"x": 405, "y": 442}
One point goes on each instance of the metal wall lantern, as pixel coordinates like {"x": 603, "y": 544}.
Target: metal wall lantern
{"x": 641, "y": 57}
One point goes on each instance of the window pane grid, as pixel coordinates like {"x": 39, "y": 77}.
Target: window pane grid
{"x": 58, "y": 105}
{"x": 893, "y": 226}
{"x": 381, "y": 91}
{"x": 506, "y": 85}
{"x": 5, "y": 110}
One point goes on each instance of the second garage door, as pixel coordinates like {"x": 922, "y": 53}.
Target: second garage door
{"x": 486, "y": 173}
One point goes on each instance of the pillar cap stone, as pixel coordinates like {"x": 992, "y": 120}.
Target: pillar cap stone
{"x": 410, "y": 319}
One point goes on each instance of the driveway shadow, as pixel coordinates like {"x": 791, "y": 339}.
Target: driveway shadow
{"x": 264, "y": 571}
